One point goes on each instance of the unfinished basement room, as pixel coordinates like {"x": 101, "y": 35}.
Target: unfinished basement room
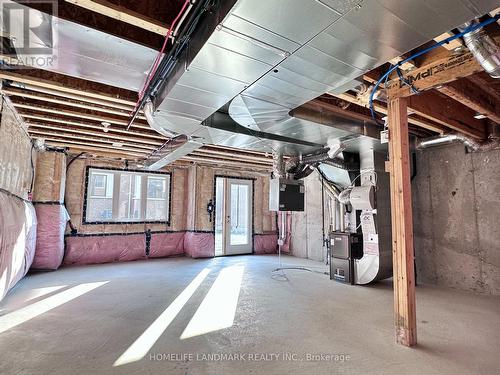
{"x": 250, "y": 187}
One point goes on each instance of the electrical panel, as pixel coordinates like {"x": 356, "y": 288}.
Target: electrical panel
{"x": 286, "y": 195}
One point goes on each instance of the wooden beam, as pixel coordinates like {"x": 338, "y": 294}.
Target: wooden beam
{"x": 487, "y": 85}
{"x": 73, "y": 114}
{"x": 444, "y": 70}
{"x": 447, "y": 112}
{"x": 86, "y": 148}
{"x": 66, "y": 95}
{"x": 118, "y": 150}
{"x": 149, "y": 134}
{"x": 104, "y": 141}
{"x": 122, "y": 14}
{"x": 100, "y": 134}
{"x": 473, "y": 97}
{"x": 381, "y": 108}
{"x": 451, "y": 46}
{"x": 60, "y": 87}
{"x": 402, "y": 225}
{"x": 49, "y": 99}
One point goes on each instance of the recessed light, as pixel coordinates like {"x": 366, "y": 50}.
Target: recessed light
{"x": 479, "y": 116}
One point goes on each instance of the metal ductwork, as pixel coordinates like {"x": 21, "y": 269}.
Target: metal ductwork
{"x": 471, "y": 144}
{"x": 172, "y": 150}
{"x": 484, "y": 49}
{"x": 272, "y": 56}
{"x": 178, "y": 146}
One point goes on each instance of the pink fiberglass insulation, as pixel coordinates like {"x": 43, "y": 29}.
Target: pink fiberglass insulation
{"x": 52, "y": 219}
{"x": 199, "y": 244}
{"x": 265, "y": 243}
{"x": 104, "y": 249}
{"x": 17, "y": 240}
{"x": 166, "y": 244}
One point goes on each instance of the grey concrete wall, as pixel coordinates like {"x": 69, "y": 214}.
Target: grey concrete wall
{"x": 307, "y": 235}
{"x": 456, "y": 206}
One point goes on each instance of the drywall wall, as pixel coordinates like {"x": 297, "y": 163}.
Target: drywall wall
{"x": 456, "y": 213}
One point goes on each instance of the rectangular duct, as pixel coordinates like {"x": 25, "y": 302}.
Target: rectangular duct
{"x": 171, "y": 151}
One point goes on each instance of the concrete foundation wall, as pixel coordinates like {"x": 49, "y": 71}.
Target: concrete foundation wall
{"x": 307, "y": 231}
{"x": 456, "y": 205}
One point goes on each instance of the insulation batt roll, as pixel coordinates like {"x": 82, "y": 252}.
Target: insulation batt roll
{"x": 52, "y": 219}
{"x": 363, "y": 197}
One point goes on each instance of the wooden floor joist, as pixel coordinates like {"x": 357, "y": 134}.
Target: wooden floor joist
{"x": 120, "y": 13}
{"x": 402, "y": 224}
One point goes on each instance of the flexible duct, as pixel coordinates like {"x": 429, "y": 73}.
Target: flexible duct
{"x": 334, "y": 193}
{"x": 278, "y": 165}
{"x": 470, "y": 143}
{"x": 484, "y": 49}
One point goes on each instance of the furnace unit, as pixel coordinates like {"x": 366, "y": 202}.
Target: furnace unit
{"x": 344, "y": 248}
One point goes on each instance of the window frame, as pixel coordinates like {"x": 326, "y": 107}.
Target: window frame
{"x": 87, "y": 195}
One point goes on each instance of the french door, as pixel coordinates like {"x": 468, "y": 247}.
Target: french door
{"x": 233, "y": 216}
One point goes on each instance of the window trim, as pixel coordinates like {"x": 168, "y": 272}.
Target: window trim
{"x": 86, "y": 195}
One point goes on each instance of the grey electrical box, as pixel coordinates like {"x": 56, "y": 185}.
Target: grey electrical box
{"x": 286, "y": 195}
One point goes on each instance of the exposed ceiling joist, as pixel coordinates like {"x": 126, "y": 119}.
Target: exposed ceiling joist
{"x": 438, "y": 68}
{"x": 45, "y": 119}
{"x": 49, "y": 99}
{"x": 106, "y": 142}
{"x": 93, "y": 150}
{"x": 49, "y": 84}
{"x": 70, "y": 142}
{"x": 382, "y": 108}
{"x": 447, "y": 112}
{"x": 79, "y": 115}
{"x": 100, "y": 134}
{"x": 473, "y": 97}
{"x": 435, "y": 74}
{"x": 66, "y": 95}
{"x": 122, "y": 14}
{"x": 453, "y": 45}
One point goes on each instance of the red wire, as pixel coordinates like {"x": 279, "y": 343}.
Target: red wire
{"x": 158, "y": 57}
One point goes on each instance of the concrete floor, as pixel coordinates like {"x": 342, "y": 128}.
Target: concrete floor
{"x": 308, "y": 314}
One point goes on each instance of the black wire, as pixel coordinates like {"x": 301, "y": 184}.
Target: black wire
{"x": 32, "y": 169}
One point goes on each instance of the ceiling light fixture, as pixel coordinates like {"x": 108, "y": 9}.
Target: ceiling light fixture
{"x": 105, "y": 126}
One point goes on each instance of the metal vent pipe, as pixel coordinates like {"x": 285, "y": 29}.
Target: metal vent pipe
{"x": 484, "y": 49}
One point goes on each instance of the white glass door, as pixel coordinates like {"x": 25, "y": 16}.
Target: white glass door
{"x": 233, "y": 216}
{"x": 238, "y": 217}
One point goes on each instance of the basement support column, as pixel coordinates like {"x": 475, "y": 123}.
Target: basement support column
{"x": 402, "y": 224}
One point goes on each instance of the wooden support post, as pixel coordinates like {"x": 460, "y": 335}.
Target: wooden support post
{"x": 402, "y": 224}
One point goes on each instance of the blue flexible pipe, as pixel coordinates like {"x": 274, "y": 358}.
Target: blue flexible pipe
{"x": 423, "y": 52}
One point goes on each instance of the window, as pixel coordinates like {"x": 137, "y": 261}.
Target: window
{"x": 126, "y": 196}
